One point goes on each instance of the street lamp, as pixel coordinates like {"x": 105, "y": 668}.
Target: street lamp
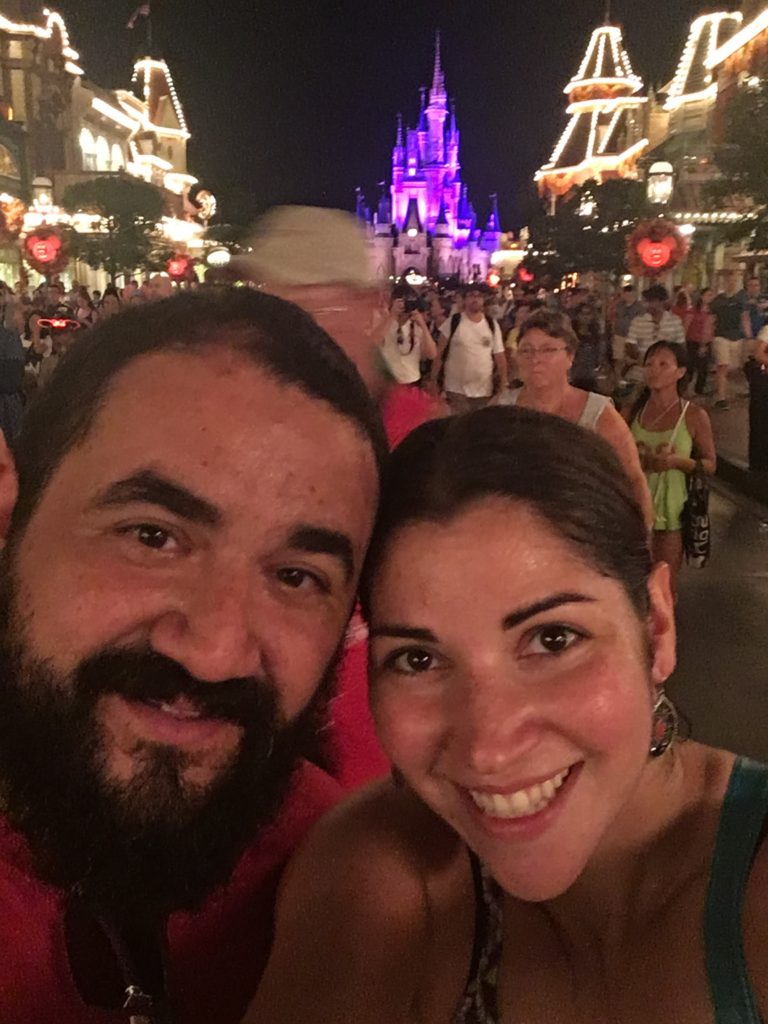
{"x": 661, "y": 182}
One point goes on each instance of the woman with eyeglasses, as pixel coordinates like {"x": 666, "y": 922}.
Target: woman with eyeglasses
{"x": 546, "y": 349}
{"x": 548, "y": 852}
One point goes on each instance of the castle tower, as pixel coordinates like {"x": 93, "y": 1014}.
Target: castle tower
{"x": 432, "y": 218}
{"x": 492, "y": 234}
{"x": 603, "y": 138}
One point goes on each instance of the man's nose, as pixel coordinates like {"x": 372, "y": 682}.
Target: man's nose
{"x": 211, "y": 630}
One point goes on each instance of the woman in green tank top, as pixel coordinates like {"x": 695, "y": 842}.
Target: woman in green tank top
{"x": 674, "y": 438}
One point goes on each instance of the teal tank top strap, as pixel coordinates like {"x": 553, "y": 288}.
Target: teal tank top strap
{"x": 742, "y": 826}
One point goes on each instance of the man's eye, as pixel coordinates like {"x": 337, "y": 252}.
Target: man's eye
{"x": 555, "y": 639}
{"x": 154, "y": 537}
{"x": 301, "y": 579}
{"x": 412, "y": 662}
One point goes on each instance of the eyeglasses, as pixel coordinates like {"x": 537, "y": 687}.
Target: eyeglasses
{"x": 546, "y": 351}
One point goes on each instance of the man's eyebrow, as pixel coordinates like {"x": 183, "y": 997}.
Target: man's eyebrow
{"x": 151, "y": 488}
{"x": 425, "y": 636}
{"x": 528, "y": 612}
{"x": 319, "y": 540}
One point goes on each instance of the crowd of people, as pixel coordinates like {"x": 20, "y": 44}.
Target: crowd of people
{"x": 40, "y": 324}
{"x": 263, "y": 545}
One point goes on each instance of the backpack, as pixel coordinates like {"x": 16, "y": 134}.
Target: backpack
{"x": 455, "y": 321}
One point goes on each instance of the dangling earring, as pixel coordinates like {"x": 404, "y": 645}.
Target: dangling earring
{"x": 666, "y": 724}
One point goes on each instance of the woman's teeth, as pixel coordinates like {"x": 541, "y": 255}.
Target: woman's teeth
{"x": 523, "y": 803}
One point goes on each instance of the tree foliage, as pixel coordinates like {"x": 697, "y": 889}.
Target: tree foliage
{"x": 130, "y": 210}
{"x": 742, "y": 160}
{"x": 588, "y": 230}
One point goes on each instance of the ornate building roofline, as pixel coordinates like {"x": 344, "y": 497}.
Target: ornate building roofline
{"x": 693, "y": 79}
{"x": 736, "y": 42}
{"x": 52, "y": 19}
{"x": 605, "y": 64}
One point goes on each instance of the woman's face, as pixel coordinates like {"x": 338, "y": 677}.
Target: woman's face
{"x": 542, "y": 360}
{"x": 661, "y": 370}
{"x": 706, "y": 297}
{"x": 512, "y": 684}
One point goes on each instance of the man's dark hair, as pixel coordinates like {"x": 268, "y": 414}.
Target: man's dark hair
{"x": 657, "y": 292}
{"x": 403, "y": 291}
{"x": 278, "y": 336}
{"x": 567, "y": 475}
{"x": 628, "y": 288}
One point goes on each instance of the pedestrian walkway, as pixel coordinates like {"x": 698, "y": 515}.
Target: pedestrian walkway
{"x": 721, "y": 685}
{"x": 731, "y": 429}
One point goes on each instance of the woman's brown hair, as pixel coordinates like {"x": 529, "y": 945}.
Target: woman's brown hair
{"x": 552, "y": 323}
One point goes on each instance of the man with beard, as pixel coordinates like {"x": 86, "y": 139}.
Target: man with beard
{"x": 184, "y": 525}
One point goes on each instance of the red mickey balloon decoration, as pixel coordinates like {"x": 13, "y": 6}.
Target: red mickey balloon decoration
{"x": 46, "y": 250}
{"x": 654, "y": 247}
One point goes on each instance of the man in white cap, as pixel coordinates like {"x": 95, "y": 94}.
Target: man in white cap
{"x": 318, "y": 258}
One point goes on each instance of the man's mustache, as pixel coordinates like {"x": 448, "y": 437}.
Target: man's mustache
{"x": 143, "y": 675}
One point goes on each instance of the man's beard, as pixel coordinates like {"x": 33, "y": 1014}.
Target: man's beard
{"x": 155, "y": 844}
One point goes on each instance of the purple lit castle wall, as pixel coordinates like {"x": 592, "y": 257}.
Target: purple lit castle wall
{"x": 426, "y": 169}
{"x": 425, "y": 223}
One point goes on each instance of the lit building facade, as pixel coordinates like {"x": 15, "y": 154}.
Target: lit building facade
{"x": 604, "y": 137}
{"x": 58, "y": 128}
{"x": 722, "y": 50}
{"x": 425, "y": 221}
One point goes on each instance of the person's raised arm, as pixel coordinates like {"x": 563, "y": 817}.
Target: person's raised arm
{"x": 703, "y": 440}
{"x": 351, "y": 929}
{"x": 500, "y": 359}
{"x": 428, "y": 346}
{"x": 437, "y": 363}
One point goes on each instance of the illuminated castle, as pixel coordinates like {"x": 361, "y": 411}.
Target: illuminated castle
{"x": 604, "y": 137}
{"x": 425, "y": 221}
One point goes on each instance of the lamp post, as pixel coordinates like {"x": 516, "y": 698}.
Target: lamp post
{"x": 660, "y": 183}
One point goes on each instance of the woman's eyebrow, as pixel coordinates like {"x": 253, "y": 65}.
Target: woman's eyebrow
{"x": 546, "y": 605}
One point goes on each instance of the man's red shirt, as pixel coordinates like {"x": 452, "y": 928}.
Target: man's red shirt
{"x": 217, "y": 956}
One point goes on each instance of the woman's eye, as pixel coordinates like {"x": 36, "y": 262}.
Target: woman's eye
{"x": 554, "y": 639}
{"x": 300, "y": 579}
{"x": 411, "y": 662}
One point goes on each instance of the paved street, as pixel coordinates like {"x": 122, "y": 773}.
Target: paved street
{"x": 722, "y": 681}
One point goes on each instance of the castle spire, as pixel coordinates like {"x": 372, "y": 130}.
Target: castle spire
{"x": 494, "y": 221}
{"x": 423, "y": 126}
{"x": 438, "y": 78}
{"x": 400, "y": 142}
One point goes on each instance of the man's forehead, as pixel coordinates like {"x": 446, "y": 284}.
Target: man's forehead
{"x": 220, "y": 406}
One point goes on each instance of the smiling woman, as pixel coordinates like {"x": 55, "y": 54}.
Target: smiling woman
{"x": 520, "y": 642}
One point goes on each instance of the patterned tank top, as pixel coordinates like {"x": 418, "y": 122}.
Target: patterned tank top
{"x": 742, "y": 830}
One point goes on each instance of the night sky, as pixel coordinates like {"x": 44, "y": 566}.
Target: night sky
{"x": 289, "y": 101}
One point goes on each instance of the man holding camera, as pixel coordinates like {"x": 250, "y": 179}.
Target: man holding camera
{"x": 470, "y": 356}
{"x": 406, "y": 341}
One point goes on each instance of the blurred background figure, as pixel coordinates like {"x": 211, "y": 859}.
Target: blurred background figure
{"x": 700, "y": 333}
{"x": 406, "y": 342}
{"x": 12, "y": 360}
{"x": 110, "y": 304}
{"x": 589, "y": 353}
{"x": 756, "y": 371}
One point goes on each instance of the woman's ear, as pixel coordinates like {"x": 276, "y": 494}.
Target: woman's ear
{"x": 9, "y": 489}
{"x": 661, "y": 624}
